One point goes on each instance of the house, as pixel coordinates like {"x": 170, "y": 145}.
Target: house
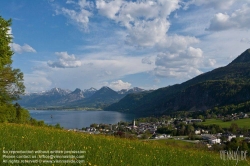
{"x": 214, "y": 141}
{"x": 193, "y": 120}
{"x": 161, "y": 136}
{"x": 209, "y": 146}
{"x": 241, "y": 136}
{"x": 211, "y": 139}
{"x": 218, "y": 135}
{"x": 152, "y": 131}
{"x": 204, "y": 131}
{"x": 229, "y": 137}
{"x": 166, "y": 136}
{"x": 90, "y": 129}
{"x": 247, "y": 140}
{"x": 244, "y": 116}
{"x": 197, "y": 132}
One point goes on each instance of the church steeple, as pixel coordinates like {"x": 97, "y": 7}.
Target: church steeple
{"x": 134, "y": 126}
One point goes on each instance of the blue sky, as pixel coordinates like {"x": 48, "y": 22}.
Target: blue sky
{"x": 123, "y": 44}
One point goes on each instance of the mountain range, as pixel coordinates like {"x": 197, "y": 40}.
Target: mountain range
{"x": 222, "y": 86}
{"x": 58, "y": 98}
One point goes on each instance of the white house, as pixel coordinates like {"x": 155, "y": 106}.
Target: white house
{"x": 204, "y": 131}
{"x": 211, "y": 139}
{"x": 229, "y": 138}
{"x": 197, "y": 132}
{"x": 214, "y": 141}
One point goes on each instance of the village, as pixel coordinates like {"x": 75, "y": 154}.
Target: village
{"x": 183, "y": 129}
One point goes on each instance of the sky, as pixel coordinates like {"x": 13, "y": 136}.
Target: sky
{"x": 123, "y": 43}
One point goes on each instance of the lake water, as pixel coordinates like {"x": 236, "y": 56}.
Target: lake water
{"x": 79, "y": 119}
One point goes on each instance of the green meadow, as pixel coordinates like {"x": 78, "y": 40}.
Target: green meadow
{"x": 241, "y": 122}
{"x": 101, "y": 150}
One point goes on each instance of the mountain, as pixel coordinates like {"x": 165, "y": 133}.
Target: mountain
{"x": 103, "y": 97}
{"x": 221, "y": 86}
{"x": 53, "y": 97}
{"x": 105, "y": 94}
{"x": 77, "y": 94}
{"x": 132, "y": 90}
{"x": 57, "y": 91}
{"x": 46, "y": 98}
{"x": 57, "y": 98}
{"x": 89, "y": 92}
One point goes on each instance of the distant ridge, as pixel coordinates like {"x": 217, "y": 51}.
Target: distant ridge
{"x": 58, "y": 98}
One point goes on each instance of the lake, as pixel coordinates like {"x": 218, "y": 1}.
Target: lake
{"x": 79, "y": 119}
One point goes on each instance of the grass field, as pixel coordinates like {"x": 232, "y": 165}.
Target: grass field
{"x": 103, "y": 150}
{"x": 241, "y": 122}
{"x": 175, "y": 143}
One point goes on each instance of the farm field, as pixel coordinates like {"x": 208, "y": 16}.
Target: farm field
{"x": 103, "y": 150}
{"x": 241, "y": 122}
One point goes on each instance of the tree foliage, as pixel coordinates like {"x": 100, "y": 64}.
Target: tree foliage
{"x": 13, "y": 113}
{"x": 11, "y": 80}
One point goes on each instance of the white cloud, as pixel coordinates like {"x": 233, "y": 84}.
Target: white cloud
{"x": 194, "y": 52}
{"x": 220, "y": 22}
{"x": 146, "y": 21}
{"x": 81, "y": 15}
{"x": 20, "y": 49}
{"x": 147, "y": 33}
{"x": 108, "y": 9}
{"x": 210, "y": 62}
{"x": 239, "y": 19}
{"x": 147, "y": 60}
{"x": 217, "y": 4}
{"x": 182, "y": 65}
{"x": 70, "y": 2}
{"x": 183, "y": 73}
{"x": 36, "y": 82}
{"x": 119, "y": 85}
{"x": 245, "y": 40}
{"x": 65, "y": 61}
{"x": 176, "y": 43}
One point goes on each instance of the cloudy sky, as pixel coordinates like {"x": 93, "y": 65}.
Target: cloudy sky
{"x": 123, "y": 43}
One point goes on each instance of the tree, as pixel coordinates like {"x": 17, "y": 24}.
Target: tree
{"x": 213, "y": 130}
{"x": 94, "y": 125}
{"x": 11, "y": 80}
{"x": 234, "y": 127}
{"x": 189, "y": 129}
